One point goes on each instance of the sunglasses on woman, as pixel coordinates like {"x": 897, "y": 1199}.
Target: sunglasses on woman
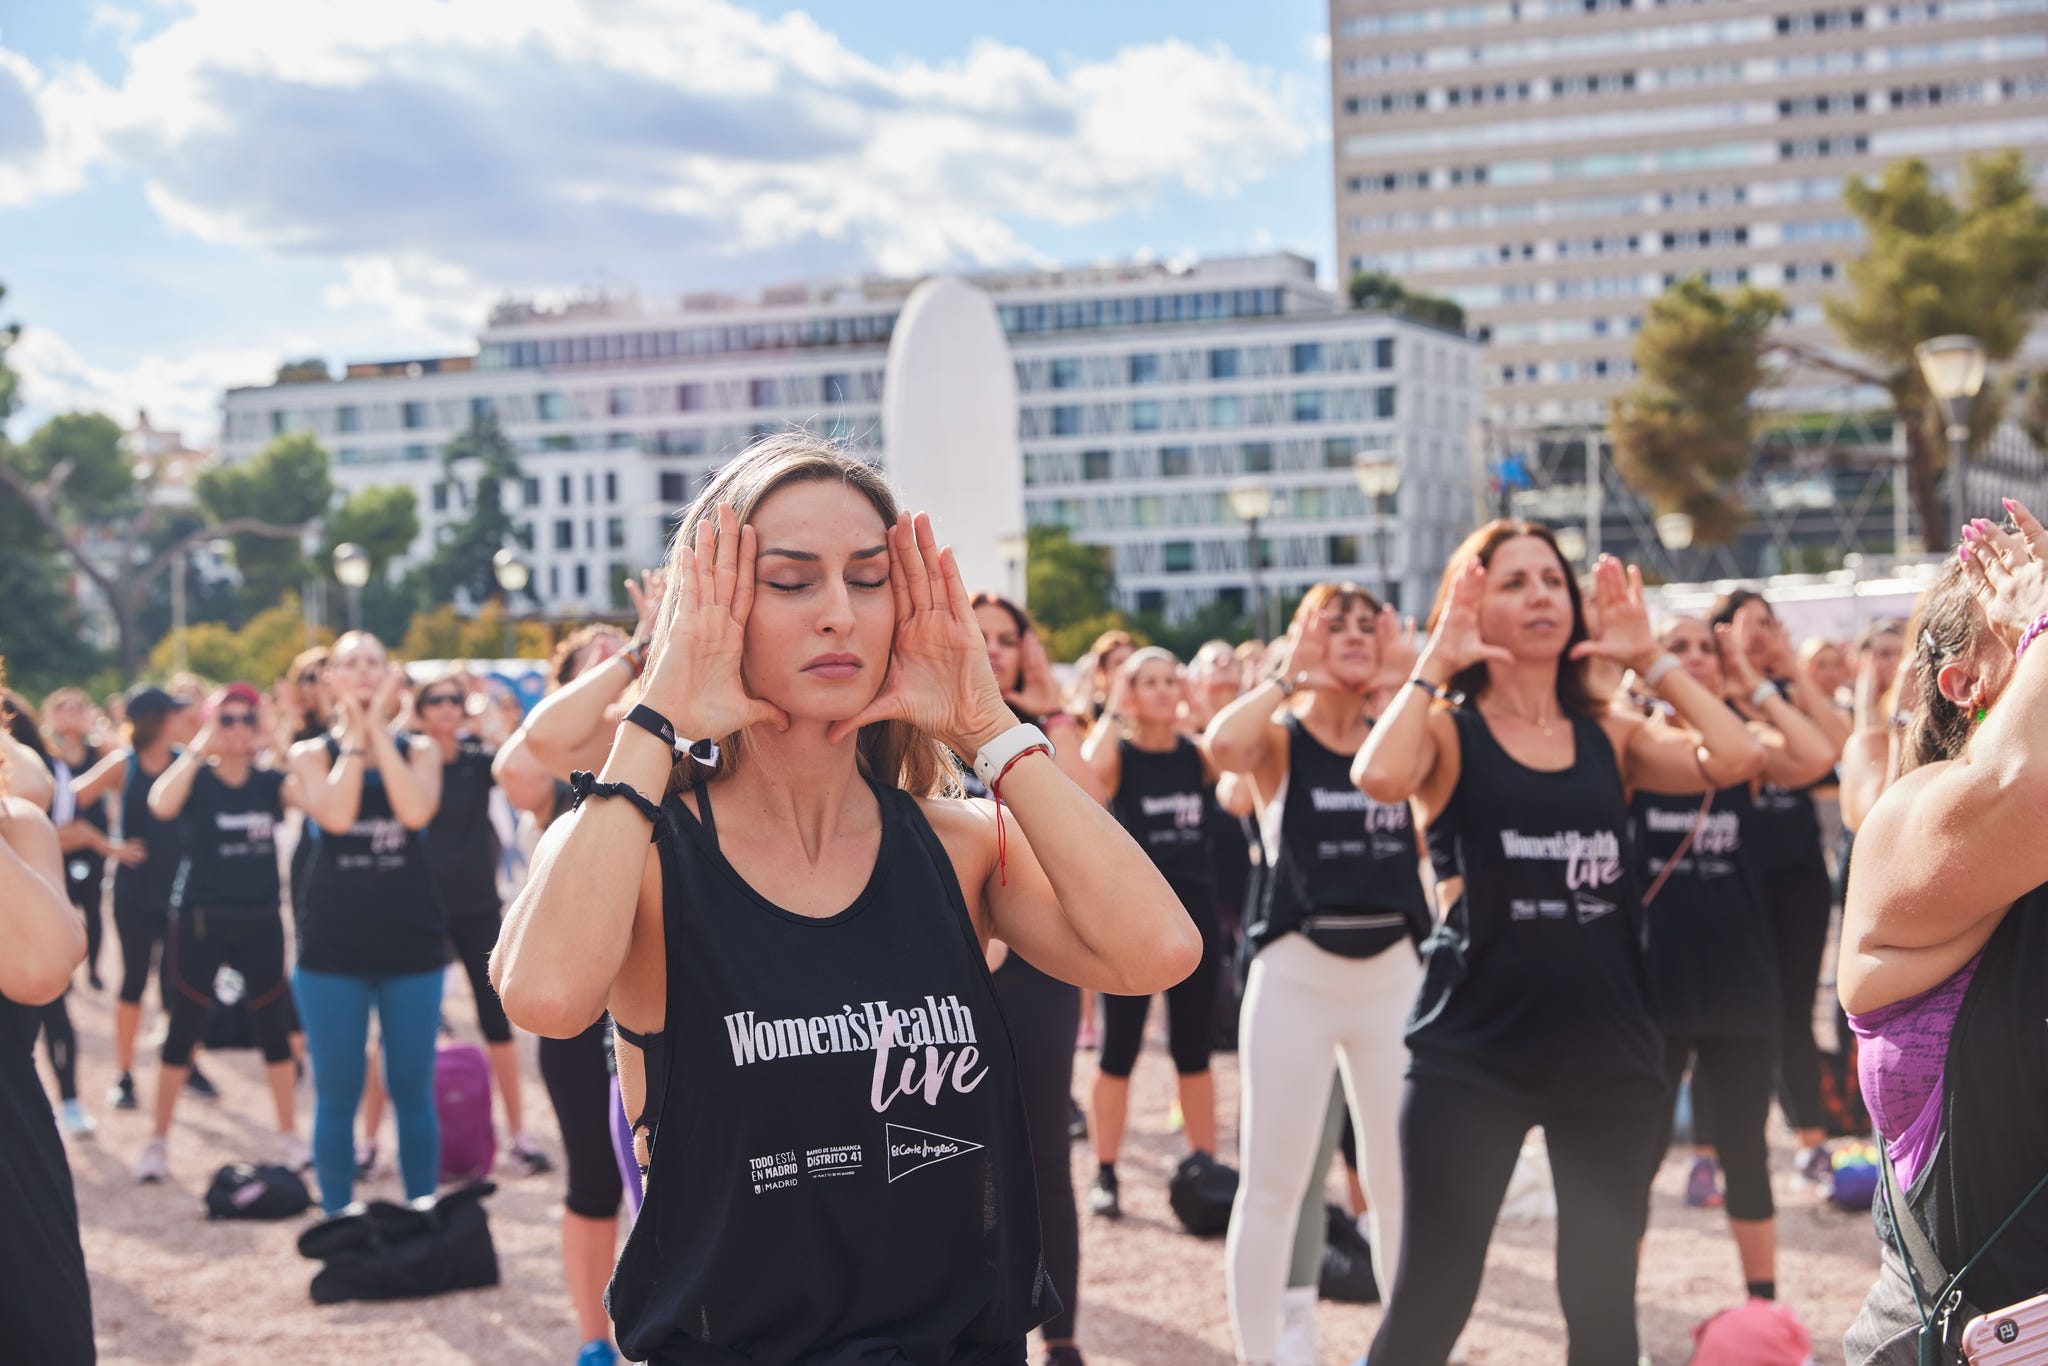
{"x": 231, "y": 719}
{"x": 441, "y": 699}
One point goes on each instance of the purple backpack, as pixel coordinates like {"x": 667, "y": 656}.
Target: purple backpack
{"x": 462, "y": 1102}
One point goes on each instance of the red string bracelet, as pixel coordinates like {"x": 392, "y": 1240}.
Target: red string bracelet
{"x": 996, "y": 790}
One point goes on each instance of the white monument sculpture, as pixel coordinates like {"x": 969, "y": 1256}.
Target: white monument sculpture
{"x": 949, "y": 427}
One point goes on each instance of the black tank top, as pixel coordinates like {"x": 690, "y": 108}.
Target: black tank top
{"x": 840, "y": 1174}
{"x": 1994, "y": 1131}
{"x": 230, "y": 840}
{"x": 1534, "y": 983}
{"x": 1346, "y": 870}
{"x": 44, "y": 1298}
{"x": 84, "y": 870}
{"x": 462, "y": 844}
{"x": 146, "y": 888}
{"x": 1708, "y": 943}
{"x": 369, "y": 908}
{"x": 1161, "y": 801}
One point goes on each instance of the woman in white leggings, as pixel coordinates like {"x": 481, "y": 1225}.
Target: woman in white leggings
{"x": 1335, "y": 971}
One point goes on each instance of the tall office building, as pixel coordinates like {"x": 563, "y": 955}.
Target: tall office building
{"x": 1553, "y": 164}
{"x": 1147, "y": 396}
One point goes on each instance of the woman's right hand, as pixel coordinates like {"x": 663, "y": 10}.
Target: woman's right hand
{"x": 1038, "y": 693}
{"x": 1305, "y": 653}
{"x": 694, "y": 679}
{"x": 1118, "y": 705}
{"x": 1733, "y": 639}
{"x": 128, "y": 853}
{"x": 2008, "y": 572}
{"x": 1456, "y": 645}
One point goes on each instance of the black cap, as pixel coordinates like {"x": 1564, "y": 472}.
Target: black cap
{"x": 150, "y": 701}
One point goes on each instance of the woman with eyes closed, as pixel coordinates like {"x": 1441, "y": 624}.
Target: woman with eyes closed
{"x": 1534, "y": 1007}
{"x": 1707, "y": 939}
{"x": 823, "y": 1088}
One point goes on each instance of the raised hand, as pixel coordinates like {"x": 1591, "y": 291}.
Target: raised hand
{"x": 939, "y": 677}
{"x": 1394, "y": 638}
{"x": 384, "y": 703}
{"x": 646, "y": 593}
{"x": 1038, "y": 693}
{"x": 2008, "y": 573}
{"x": 1867, "y": 696}
{"x": 694, "y": 678}
{"x": 1455, "y": 645}
{"x": 1305, "y": 655}
{"x": 129, "y": 853}
{"x": 1739, "y": 677}
{"x": 1623, "y": 634}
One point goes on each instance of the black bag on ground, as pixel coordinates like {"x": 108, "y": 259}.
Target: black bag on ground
{"x": 384, "y": 1251}
{"x": 1346, "y": 1276}
{"x": 244, "y": 1190}
{"x": 1201, "y": 1192}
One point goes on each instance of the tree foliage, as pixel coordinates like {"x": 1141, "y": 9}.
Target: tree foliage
{"x": 258, "y": 652}
{"x": 461, "y": 564}
{"x": 308, "y": 371}
{"x": 1975, "y": 263}
{"x": 382, "y": 519}
{"x": 1684, "y": 433}
{"x": 287, "y": 484}
{"x": 1378, "y": 291}
{"x": 443, "y": 633}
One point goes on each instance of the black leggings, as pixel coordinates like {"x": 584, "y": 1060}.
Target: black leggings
{"x": 1043, "y": 1013}
{"x": 141, "y": 934}
{"x": 579, "y": 1082}
{"x": 1190, "y": 1003}
{"x": 1800, "y": 900}
{"x": 1731, "y": 1103}
{"x": 473, "y": 934}
{"x": 85, "y": 894}
{"x": 202, "y": 941}
{"x": 1458, "y": 1149}
{"x": 61, "y": 1042}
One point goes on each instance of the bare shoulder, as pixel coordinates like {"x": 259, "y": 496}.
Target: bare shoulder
{"x": 20, "y": 809}
{"x": 966, "y": 826}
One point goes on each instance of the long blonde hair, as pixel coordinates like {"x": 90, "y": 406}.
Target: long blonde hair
{"x": 892, "y": 753}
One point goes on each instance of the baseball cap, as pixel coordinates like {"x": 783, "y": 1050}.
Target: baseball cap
{"x": 152, "y": 701}
{"x": 244, "y": 693}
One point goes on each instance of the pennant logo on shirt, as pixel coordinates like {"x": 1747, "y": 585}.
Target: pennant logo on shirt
{"x": 1591, "y": 908}
{"x": 915, "y": 1149}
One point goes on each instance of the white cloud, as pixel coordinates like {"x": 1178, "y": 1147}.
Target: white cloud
{"x": 179, "y": 392}
{"x": 519, "y": 140}
{"x": 49, "y": 129}
{"x": 1317, "y": 45}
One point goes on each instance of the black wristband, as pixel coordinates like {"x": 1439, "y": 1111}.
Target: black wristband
{"x": 583, "y": 783}
{"x": 1439, "y": 692}
{"x": 704, "y": 751}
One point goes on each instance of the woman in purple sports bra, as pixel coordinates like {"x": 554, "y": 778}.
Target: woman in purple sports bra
{"x": 1944, "y": 965}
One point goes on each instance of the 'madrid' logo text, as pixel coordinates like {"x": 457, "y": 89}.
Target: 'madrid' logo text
{"x": 1590, "y": 859}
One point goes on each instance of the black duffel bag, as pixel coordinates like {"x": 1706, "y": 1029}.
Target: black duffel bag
{"x": 1346, "y": 1276}
{"x": 1201, "y": 1192}
{"x": 383, "y": 1251}
{"x": 244, "y": 1190}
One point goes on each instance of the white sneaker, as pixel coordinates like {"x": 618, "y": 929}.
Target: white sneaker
{"x": 75, "y": 1122}
{"x": 293, "y": 1152}
{"x": 1296, "y": 1345}
{"x": 154, "y": 1165}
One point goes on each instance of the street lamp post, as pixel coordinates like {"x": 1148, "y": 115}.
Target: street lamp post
{"x": 1379, "y": 480}
{"x": 1954, "y": 370}
{"x": 1674, "y": 533}
{"x": 1250, "y": 501}
{"x": 512, "y": 575}
{"x": 352, "y": 567}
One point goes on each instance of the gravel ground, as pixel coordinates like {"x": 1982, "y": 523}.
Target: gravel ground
{"x": 170, "y": 1287}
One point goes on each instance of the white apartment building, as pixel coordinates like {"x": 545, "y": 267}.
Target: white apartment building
{"x": 1145, "y": 394}
{"x": 1554, "y": 164}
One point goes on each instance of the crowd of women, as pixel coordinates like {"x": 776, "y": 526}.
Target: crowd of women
{"x": 1537, "y": 863}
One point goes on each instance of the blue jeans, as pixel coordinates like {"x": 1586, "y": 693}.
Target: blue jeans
{"x": 336, "y": 1012}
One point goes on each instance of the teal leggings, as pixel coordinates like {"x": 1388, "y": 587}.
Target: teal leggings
{"x": 336, "y": 1012}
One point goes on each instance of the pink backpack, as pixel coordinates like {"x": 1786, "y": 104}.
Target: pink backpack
{"x": 462, "y": 1102}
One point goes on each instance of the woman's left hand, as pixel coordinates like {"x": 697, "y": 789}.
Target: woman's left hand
{"x": 1039, "y": 694}
{"x": 1624, "y": 634}
{"x": 939, "y": 677}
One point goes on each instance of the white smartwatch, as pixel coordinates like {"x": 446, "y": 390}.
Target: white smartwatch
{"x": 995, "y": 756}
{"x": 1763, "y": 692}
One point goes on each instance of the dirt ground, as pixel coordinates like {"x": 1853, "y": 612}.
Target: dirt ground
{"x": 170, "y": 1287}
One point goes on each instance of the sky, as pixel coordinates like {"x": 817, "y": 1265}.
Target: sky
{"x": 193, "y": 190}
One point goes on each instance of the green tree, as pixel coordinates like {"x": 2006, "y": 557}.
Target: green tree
{"x": 1066, "y": 582}
{"x": 258, "y": 652}
{"x": 1378, "y": 291}
{"x": 287, "y": 484}
{"x": 461, "y": 564}
{"x": 443, "y": 633}
{"x": 309, "y": 371}
{"x": 384, "y": 520}
{"x": 1976, "y": 263}
{"x": 1684, "y": 432}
